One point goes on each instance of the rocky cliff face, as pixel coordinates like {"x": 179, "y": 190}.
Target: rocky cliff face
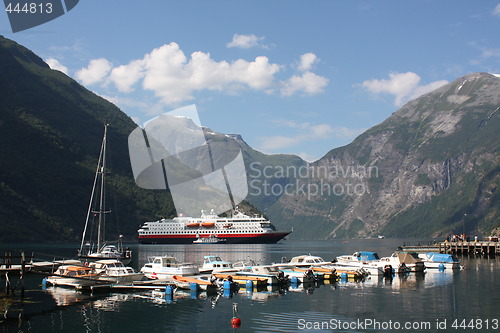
{"x": 429, "y": 169}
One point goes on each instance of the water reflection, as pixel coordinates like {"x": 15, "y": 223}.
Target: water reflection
{"x": 447, "y": 294}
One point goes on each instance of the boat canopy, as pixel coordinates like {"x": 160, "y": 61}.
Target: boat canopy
{"x": 441, "y": 257}
{"x": 408, "y": 257}
{"x": 306, "y": 259}
{"x": 366, "y": 256}
{"x": 210, "y": 259}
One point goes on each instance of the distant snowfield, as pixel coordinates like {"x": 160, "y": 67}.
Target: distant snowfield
{"x": 497, "y": 75}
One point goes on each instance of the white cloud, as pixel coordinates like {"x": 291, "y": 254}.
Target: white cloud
{"x": 404, "y": 86}
{"x": 490, "y": 53}
{"x": 307, "y": 60}
{"x": 486, "y": 53}
{"x": 273, "y": 143}
{"x": 175, "y": 77}
{"x": 246, "y": 41}
{"x": 125, "y": 76}
{"x": 55, "y": 64}
{"x": 307, "y": 132}
{"x": 496, "y": 11}
{"x": 308, "y": 82}
{"x": 97, "y": 70}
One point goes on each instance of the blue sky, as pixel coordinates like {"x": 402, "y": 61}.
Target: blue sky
{"x": 298, "y": 77}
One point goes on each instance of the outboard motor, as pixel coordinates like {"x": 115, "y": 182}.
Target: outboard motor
{"x": 309, "y": 273}
{"x": 388, "y": 271}
{"x": 282, "y": 278}
{"x": 403, "y": 269}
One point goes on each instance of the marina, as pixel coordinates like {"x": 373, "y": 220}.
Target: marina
{"x": 338, "y": 297}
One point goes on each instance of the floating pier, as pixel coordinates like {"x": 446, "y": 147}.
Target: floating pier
{"x": 480, "y": 247}
{"x": 474, "y": 247}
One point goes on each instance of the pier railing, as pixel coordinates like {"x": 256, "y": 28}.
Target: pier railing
{"x": 460, "y": 247}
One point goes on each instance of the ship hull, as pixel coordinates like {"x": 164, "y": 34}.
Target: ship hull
{"x": 267, "y": 238}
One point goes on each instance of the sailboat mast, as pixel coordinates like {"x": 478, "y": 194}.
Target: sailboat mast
{"x": 99, "y": 171}
{"x": 102, "y": 213}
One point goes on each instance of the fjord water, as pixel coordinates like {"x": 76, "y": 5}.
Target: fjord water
{"x": 429, "y": 302}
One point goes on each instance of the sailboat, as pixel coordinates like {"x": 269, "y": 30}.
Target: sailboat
{"x": 100, "y": 249}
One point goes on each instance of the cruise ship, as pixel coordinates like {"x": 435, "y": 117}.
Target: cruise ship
{"x": 238, "y": 229}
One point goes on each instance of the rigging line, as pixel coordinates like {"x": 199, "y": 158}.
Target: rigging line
{"x": 89, "y": 210}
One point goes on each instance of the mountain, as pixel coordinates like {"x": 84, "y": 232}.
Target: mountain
{"x": 50, "y": 132}
{"x": 431, "y": 168}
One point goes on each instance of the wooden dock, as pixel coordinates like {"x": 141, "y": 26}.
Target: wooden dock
{"x": 479, "y": 247}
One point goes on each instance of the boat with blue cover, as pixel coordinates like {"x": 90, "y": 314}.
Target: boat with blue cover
{"x": 369, "y": 261}
{"x": 440, "y": 260}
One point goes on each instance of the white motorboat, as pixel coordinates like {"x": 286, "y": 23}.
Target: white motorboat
{"x": 113, "y": 270}
{"x": 369, "y": 261}
{"x": 305, "y": 261}
{"x": 167, "y": 266}
{"x": 73, "y": 276}
{"x": 440, "y": 260}
{"x": 272, "y": 273}
{"x": 404, "y": 262}
{"x": 212, "y": 239}
{"x": 320, "y": 266}
{"x": 301, "y": 275}
{"x": 214, "y": 264}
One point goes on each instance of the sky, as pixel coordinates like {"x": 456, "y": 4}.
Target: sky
{"x": 291, "y": 76}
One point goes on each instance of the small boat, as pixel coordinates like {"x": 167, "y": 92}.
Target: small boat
{"x": 321, "y": 268}
{"x": 369, "y": 261}
{"x": 440, "y": 260}
{"x": 113, "y": 270}
{"x": 405, "y": 262}
{"x": 302, "y": 275}
{"x": 272, "y": 273}
{"x": 304, "y": 261}
{"x": 242, "y": 278}
{"x": 214, "y": 264}
{"x": 192, "y": 225}
{"x": 184, "y": 282}
{"x": 351, "y": 273}
{"x": 161, "y": 268}
{"x": 208, "y": 224}
{"x": 73, "y": 276}
{"x": 212, "y": 239}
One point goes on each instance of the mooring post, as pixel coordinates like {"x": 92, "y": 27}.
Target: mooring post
{"x": 21, "y": 278}
{"x": 7, "y": 266}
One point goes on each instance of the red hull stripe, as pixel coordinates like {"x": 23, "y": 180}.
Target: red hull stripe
{"x": 220, "y": 235}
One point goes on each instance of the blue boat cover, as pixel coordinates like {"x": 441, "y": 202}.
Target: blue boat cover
{"x": 367, "y": 256}
{"x": 441, "y": 257}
